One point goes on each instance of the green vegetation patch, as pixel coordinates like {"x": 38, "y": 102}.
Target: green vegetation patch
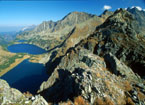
{"x": 10, "y": 60}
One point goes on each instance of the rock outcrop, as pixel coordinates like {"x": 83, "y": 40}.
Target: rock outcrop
{"x": 106, "y": 67}
{"x": 106, "y": 14}
{"x": 11, "y": 96}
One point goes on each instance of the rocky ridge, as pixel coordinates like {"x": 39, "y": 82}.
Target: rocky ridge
{"x": 107, "y": 67}
{"x": 14, "y": 96}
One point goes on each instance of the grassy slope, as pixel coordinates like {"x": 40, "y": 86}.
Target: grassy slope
{"x": 7, "y": 58}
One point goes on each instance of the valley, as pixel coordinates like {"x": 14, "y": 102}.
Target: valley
{"x": 21, "y": 64}
{"x": 10, "y": 60}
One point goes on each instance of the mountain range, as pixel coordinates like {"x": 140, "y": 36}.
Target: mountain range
{"x": 51, "y": 34}
{"x": 92, "y": 60}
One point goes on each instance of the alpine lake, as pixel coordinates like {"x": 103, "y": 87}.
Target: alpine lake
{"x": 26, "y": 76}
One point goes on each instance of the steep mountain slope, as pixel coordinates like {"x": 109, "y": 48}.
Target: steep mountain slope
{"x": 139, "y": 16}
{"x": 50, "y": 34}
{"x": 105, "y": 68}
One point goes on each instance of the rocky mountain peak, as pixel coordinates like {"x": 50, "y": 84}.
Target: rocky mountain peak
{"x": 120, "y": 17}
{"x": 136, "y": 10}
{"x": 71, "y": 19}
{"x": 125, "y": 22}
{"x": 76, "y": 14}
{"x": 122, "y": 14}
{"x": 75, "y": 18}
{"x": 139, "y": 15}
{"x": 106, "y": 14}
{"x": 45, "y": 25}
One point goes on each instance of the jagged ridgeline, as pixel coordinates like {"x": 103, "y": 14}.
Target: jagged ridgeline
{"x": 94, "y": 60}
{"x": 50, "y": 34}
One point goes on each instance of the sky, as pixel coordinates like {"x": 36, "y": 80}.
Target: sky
{"x": 23, "y": 13}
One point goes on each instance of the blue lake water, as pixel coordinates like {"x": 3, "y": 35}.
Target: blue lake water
{"x": 26, "y": 48}
{"x": 26, "y": 76}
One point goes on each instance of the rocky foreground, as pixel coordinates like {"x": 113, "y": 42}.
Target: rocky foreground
{"x": 105, "y": 67}
{"x": 11, "y": 96}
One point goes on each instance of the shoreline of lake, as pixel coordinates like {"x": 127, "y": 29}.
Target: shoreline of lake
{"x": 17, "y": 61}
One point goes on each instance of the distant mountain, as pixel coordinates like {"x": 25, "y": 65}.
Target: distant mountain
{"x": 28, "y": 28}
{"x": 106, "y": 14}
{"x": 51, "y": 33}
{"x": 45, "y": 26}
{"x": 139, "y": 16}
{"x": 71, "y": 19}
{"x": 8, "y": 36}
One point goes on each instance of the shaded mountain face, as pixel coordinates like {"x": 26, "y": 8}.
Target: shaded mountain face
{"x": 139, "y": 16}
{"x": 50, "y": 34}
{"x": 121, "y": 36}
{"x": 107, "y": 67}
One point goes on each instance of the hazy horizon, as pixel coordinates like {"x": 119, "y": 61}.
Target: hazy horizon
{"x": 10, "y": 28}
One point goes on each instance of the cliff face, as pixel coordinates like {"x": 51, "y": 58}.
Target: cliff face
{"x": 106, "y": 67}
